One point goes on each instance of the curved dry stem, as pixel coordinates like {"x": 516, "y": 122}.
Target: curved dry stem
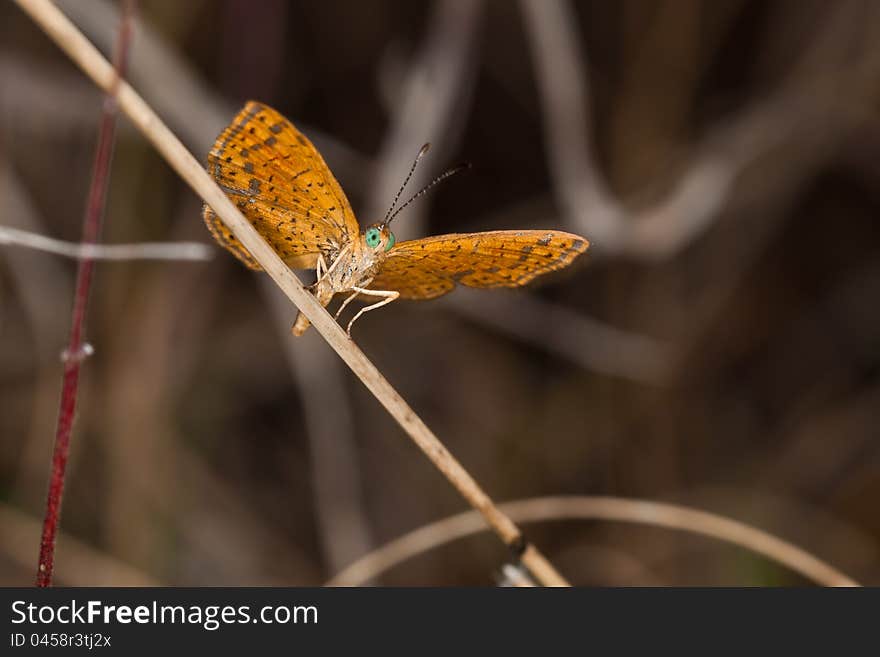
{"x": 87, "y": 57}
{"x": 658, "y": 514}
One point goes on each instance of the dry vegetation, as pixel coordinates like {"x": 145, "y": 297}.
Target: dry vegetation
{"x": 719, "y": 349}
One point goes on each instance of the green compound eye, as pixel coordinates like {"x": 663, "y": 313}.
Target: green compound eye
{"x": 373, "y": 238}
{"x": 391, "y": 240}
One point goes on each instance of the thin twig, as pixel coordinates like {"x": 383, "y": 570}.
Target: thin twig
{"x": 658, "y": 514}
{"x": 76, "y": 346}
{"x": 86, "y": 56}
{"x": 87, "y": 251}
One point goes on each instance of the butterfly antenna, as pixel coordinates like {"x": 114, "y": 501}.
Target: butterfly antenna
{"x": 439, "y": 179}
{"x": 412, "y": 170}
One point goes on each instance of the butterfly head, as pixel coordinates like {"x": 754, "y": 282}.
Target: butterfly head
{"x": 379, "y": 238}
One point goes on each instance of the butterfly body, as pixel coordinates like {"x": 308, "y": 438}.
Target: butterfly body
{"x": 282, "y": 185}
{"x": 351, "y": 271}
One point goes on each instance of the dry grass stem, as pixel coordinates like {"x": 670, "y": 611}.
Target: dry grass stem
{"x": 78, "y": 250}
{"x": 657, "y": 514}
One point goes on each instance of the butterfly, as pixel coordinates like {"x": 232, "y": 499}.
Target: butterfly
{"x": 282, "y": 185}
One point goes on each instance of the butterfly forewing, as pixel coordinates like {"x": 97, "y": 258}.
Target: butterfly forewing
{"x": 282, "y": 185}
{"x": 431, "y": 267}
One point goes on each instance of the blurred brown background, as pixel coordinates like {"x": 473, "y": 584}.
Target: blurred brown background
{"x": 719, "y": 347}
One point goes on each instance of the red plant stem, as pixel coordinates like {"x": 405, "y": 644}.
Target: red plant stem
{"x": 76, "y": 349}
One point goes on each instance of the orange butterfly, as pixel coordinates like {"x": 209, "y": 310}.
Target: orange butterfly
{"x": 282, "y": 185}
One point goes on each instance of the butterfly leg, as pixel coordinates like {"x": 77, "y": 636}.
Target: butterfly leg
{"x": 389, "y": 295}
{"x": 351, "y": 298}
{"x": 321, "y": 288}
{"x": 320, "y": 268}
{"x": 342, "y": 306}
